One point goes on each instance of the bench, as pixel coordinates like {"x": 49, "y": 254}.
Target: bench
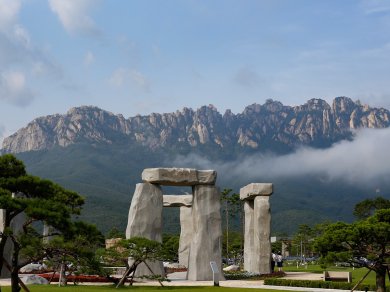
{"x": 338, "y": 276}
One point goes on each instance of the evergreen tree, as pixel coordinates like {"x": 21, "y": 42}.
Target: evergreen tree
{"x": 40, "y": 201}
{"x": 363, "y": 243}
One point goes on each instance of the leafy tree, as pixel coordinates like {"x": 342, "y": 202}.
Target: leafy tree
{"x": 115, "y": 233}
{"x": 170, "y": 247}
{"x": 40, "y": 200}
{"x": 74, "y": 251}
{"x": 139, "y": 249}
{"x": 231, "y": 208}
{"x": 303, "y": 239}
{"x": 367, "y": 207}
{"x": 364, "y": 243}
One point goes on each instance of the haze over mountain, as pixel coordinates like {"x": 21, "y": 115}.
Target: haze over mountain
{"x": 319, "y": 156}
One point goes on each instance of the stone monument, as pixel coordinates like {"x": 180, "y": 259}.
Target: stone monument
{"x": 257, "y": 244}
{"x": 202, "y": 233}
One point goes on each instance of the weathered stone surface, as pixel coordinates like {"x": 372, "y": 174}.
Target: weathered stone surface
{"x": 16, "y": 226}
{"x": 110, "y": 242}
{"x": 47, "y": 230}
{"x": 262, "y": 233}
{"x": 178, "y": 176}
{"x": 256, "y": 189}
{"x": 185, "y": 235}
{"x": 207, "y": 233}
{"x": 248, "y": 236}
{"x": 207, "y": 177}
{"x": 257, "y": 245}
{"x": 145, "y": 220}
{"x": 177, "y": 200}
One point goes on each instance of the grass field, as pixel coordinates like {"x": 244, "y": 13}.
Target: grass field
{"x": 357, "y": 274}
{"x": 72, "y": 288}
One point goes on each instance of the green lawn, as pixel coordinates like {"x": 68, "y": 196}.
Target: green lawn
{"x": 357, "y": 274}
{"x": 72, "y": 288}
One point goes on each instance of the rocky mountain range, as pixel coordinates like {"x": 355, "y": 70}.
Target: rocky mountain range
{"x": 271, "y": 126}
{"x": 101, "y": 155}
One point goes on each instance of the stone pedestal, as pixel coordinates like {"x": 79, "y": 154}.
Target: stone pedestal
{"x": 207, "y": 233}
{"x": 145, "y": 220}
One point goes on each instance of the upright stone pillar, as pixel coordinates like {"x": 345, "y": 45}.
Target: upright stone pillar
{"x": 257, "y": 243}
{"x": 186, "y": 231}
{"x": 207, "y": 233}
{"x": 262, "y": 233}
{"x": 16, "y": 226}
{"x": 145, "y": 220}
{"x": 248, "y": 236}
{"x": 184, "y": 202}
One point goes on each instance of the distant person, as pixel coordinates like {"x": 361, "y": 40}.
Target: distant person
{"x": 273, "y": 260}
{"x": 279, "y": 261}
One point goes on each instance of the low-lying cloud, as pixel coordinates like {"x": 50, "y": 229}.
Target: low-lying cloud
{"x": 2, "y": 134}
{"x": 364, "y": 160}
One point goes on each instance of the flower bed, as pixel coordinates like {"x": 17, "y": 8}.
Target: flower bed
{"x": 243, "y": 275}
{"x": 77, "y": 278}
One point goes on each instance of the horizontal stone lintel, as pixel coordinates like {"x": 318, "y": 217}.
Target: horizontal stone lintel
{"x": 256, "y": 189}
{"x": 177, "y": 200}
{"x": 179, "y": 176}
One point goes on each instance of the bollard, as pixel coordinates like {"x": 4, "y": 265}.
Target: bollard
{"x": 215, "y": 270}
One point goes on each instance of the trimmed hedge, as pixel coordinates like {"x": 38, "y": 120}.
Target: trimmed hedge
{"x": 319, "y": 284}
{"x": 243, "y": 275}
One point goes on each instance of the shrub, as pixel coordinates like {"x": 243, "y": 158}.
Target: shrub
{"x": 244, "y": 275}
{"x": 318, "y": 284}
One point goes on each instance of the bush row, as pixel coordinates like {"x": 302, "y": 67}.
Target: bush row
{"x": 319, "y": 284}
{"x": 243, "y": 275}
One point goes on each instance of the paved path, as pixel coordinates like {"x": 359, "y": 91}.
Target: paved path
{"x": 178, "y": 279}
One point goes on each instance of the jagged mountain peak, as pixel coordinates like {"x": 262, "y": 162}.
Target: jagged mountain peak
{"x": 271, "y": 126}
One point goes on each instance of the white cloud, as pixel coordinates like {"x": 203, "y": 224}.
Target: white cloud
{"x": 14, "y": 90}
{"x": 22, "y": 36}
{"x": 2, "y": 134}
{"x": 89, "y": 58}
{"x": 124, "y": 76}
{"x": 9, "y": 10}
{"x": 364, "y": 160}
{"x": 17, "y": 50}
{"x": 74, "y": 17}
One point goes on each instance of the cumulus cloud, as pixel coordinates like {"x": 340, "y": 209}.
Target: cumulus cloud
{"x": 9, "y": 10}
{"x": 17, "y": 50}
{"x": 13, "y": 88}
{"x": 124, "y": 76}
{"x": 74, "y": 17}
{"x": 364, "y": 160}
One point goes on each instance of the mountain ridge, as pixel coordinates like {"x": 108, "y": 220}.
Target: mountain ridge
{"x": 257, "y": 128}
{"x": 101, "y": 155}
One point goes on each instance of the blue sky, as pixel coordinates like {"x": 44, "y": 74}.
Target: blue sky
{"x": 137, "y": 57}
